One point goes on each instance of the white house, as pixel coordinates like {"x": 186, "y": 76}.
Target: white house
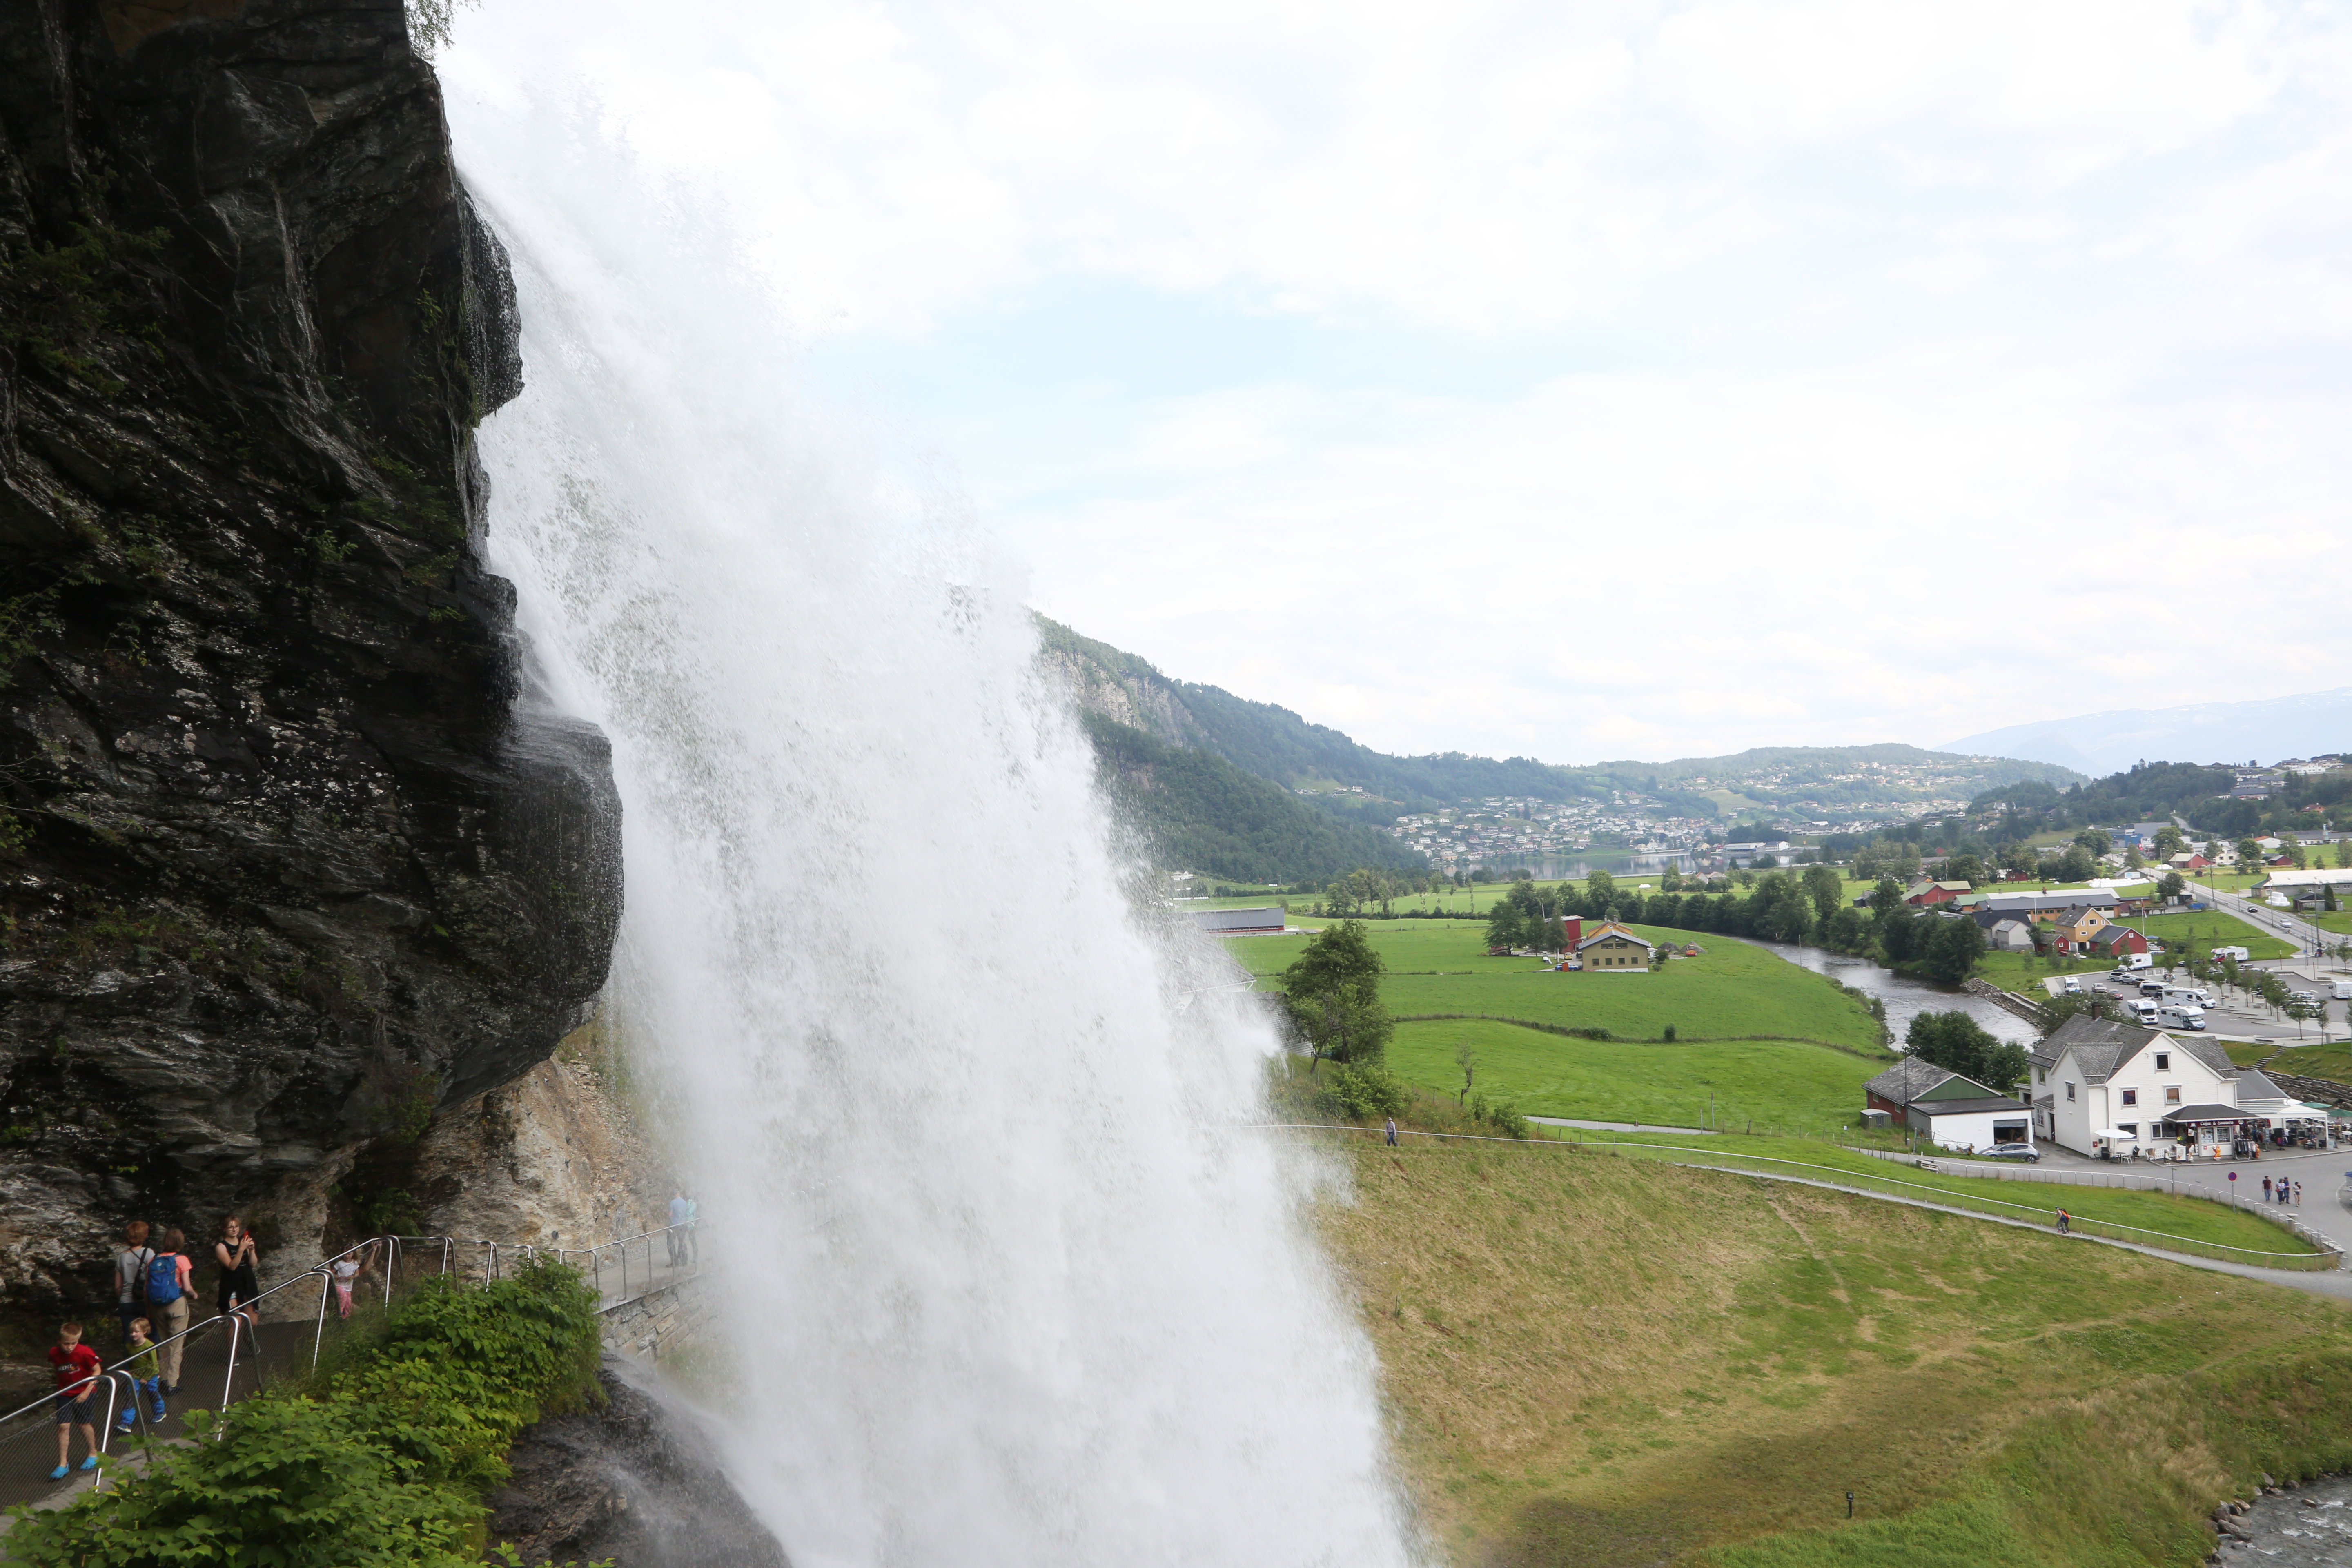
{"x": 2307, "y": 889}
{"x": 2095, "y": 1077}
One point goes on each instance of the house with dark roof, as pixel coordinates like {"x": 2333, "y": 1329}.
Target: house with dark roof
{"x": 1954, "y": 1113}
{"x": 2101, "y": 1081}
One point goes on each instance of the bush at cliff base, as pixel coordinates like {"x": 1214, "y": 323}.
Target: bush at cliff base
{"x": 384, "y": 1461}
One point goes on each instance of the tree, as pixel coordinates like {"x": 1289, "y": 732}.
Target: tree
{"x": 1826, "y": 888}
{"x": 2094, "y": 842}
{"x": 1332, "y": 991}
{"x": 1340, "y": 898}
{"x": 2172, "y": 885}
{"x": 1599, "y": 891}
{"x": 1952, "y": 949}
{"x": 2169, "y": 841}
{"x": 2076, "y": 865}
{"x": 1969, "y": 869}
{"x": 2249, "y": 854}
{"x": 1504, "y": 926}
{"x": 1958, "y": 1043}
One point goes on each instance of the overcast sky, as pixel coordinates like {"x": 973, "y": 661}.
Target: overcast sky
{"x": 1583, "y": 381}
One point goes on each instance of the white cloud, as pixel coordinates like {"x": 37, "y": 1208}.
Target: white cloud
{"x": 1906, "y": 370}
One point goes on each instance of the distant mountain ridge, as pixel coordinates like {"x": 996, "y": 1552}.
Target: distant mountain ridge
{"x": 1238, "y": 813}
{"x": 2264, "y": 730}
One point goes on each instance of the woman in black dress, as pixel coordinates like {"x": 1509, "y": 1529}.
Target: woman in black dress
{"x": 237, "y": 1255}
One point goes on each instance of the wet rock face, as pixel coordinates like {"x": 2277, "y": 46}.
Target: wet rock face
{"x": 288, "y": 860}
{"x": 636, "y": 1482}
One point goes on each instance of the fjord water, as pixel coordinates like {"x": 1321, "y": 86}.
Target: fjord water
{"x": 1005, "y": 1279}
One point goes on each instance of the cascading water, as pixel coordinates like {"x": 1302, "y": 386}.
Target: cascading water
{"x": 1009, "y": 1280}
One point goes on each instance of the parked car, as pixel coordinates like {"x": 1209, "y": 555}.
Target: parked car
{"x": 2025, "y": 1152}
{"x": 2073, "y": 986}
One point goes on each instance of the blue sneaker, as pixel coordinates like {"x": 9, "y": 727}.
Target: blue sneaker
{"x": 88, "y": 1463}
{"x": 122, "y": 1428}
{"x": 160, "y": 1412}
{"x": 58, "y": 1474}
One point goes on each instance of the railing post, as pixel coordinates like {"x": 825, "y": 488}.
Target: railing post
{"x": 326, "y": 1279}
{"x": 228, "y": 1385}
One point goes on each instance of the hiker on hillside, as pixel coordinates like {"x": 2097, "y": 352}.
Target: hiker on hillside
{"x": 77, "y": 1367}
{"x": 131, "y": 1274}
{"x": 2066, "y": 1223}
{"x": 170, "y": 1284}
{"x": 1392, "y": 1132}
{"x": 239, "y": 1282}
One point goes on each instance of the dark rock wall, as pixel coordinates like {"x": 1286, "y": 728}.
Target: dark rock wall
{"x": 287, "y": 862}
{"x": 637, "y": 1482}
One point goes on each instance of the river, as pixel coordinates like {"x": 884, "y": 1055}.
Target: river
{"x": 1904, "y": 996}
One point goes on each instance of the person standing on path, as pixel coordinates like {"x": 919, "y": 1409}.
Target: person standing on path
{"x": 348, "y": 1270}
{"x": 146, "y": 1377}
{"x": 676, "y": 1235}
{"x": 76, "y": 1366}
{"x": 131, "y": 1274}
{"x": 2066, "y": 1223}
{"x": 2267, "y": 1189}
{"x": 170, "y": 1282}
{"x": 1392, "y": 1132}
{"x": 239, "y": 1282}
{"x": 2298, "y": 1194}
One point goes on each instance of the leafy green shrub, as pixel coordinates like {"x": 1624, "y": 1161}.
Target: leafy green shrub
{"x": 1366, "y": 1093}
{"x": 383, "y": 1462}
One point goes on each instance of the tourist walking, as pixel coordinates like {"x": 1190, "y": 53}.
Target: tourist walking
{"x": 1392, "y": 1132}
{"x": 2267, "y": 1189}
{"x": 349, "y": 1271}
{"x": 693, "y": 1223}
{"x": 146, "y": 1375}
{"x": 131, "y": 1274}
{"x": 240, "y": 1279}
{"x": 77, "y": 1367}
{"x": 2066, "y": 1223}
{"x": 676, "y": 1235}
{"x": 171, "y": 1281}
{"x": 2298, "y": 1194}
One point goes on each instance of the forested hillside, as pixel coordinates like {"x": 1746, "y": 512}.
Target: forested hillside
{"x": 1201, "y": 813}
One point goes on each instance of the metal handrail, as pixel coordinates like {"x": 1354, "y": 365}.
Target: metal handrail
{"x": 393, "y": 1251}
{"x": 2330, "y": 1257}
{"x": 596, "y": 1260}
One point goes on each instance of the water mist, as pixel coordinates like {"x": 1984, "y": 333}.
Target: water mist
{"x": 1007, "y": 1278}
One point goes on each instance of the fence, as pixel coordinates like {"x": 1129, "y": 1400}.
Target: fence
{"x": 383, "y": 1264}
{"x": 1872, "y": 1185}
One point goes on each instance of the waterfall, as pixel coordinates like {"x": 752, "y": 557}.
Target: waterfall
{"x": 1007, "y": 1278}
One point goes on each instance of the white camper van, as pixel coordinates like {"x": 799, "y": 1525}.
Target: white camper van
{"x": 2143, "y": 1011}
{"x": 2187, "y": 996}
{"x": 2237, "y": 953}
{"x": 2180, "y": 1017}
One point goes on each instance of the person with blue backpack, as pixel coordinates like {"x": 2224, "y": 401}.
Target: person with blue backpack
{"x": 165, "y": 1293}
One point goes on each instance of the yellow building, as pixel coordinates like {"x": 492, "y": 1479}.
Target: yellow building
{"x": 1611, "y": 946}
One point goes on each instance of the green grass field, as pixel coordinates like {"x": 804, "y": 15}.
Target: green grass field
{"x": 1766, "y": 1083}
{"x": 1591, "y": 1360}
{"x": 2212, "y": 929}
{"x": 2332, "y": 1061}
{"x": 2194, "y": 1218}
{"x": 1731, "y": 988}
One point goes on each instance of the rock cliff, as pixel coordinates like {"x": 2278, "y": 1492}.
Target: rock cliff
{"x": 289, "y": 860}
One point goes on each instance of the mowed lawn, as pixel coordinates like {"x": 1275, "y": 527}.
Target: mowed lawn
{"x": 2208, "y": 930}
{"x": 1591, "y": 1361}
{"x": 1731, "y": 988}
{"x": 1772, "y": 1085}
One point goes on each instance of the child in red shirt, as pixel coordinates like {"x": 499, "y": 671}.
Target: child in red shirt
{"x": 77, "y": 1368}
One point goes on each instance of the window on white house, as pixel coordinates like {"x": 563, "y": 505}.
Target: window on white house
{"x": 2131, "y": 1097}
{"x": 2172, "y": 1094}
{"x": 2164, "y": 1061}
{"x": 2070, "y": 1091}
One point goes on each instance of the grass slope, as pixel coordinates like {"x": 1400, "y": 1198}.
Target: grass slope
{"x": 1593, "y": 1360}
{"x": 1731, "y": 988}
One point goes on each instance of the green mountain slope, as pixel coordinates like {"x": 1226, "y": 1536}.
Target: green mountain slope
{"x": 1200, "y": 813}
